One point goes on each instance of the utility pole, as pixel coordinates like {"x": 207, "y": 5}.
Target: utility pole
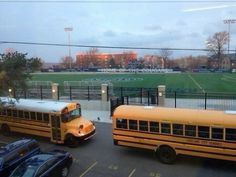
{"x": 68, "y": 30}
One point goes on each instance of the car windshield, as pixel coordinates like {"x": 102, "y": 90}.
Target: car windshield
{"x": 71, "y": 115}
{"x": 24, "y": 171}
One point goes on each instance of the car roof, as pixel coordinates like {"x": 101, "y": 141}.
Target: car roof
{"x": 37, "y": 160}
{"x": 14, "y": 145}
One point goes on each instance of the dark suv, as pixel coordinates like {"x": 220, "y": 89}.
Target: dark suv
{"x": 16, "y": 152}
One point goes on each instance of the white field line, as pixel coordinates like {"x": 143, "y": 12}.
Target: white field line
{"x": 197, "y": 84}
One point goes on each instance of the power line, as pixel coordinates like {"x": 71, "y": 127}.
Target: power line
{"x": 103, "y": 46}
{"x": 117, "y": 1}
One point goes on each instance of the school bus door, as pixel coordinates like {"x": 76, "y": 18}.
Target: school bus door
{"x": 56, "y": 128}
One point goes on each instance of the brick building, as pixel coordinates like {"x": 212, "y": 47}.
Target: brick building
{"x": 105, "y": 60}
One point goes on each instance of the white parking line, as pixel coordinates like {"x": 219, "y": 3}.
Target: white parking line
{"x": 89, "y": 168}
{"x": 132, "y": 172}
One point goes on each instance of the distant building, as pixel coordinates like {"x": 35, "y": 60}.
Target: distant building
{"x": 153, "y": 61}
{"x": 228, "y": 62}
{"x": 105, "y": 60}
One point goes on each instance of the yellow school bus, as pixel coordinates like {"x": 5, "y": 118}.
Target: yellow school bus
{"x": 62, "y": 122}
{"x": 173, "y": 131}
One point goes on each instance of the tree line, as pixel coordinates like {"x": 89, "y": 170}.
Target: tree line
{"x": 215, "y": 46}
{"x": 15, "y": 69}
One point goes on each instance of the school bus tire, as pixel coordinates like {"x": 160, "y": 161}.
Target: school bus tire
{"x": 5, "y": 129}
{"x": 166, "y": 154}
{"x": 71, "y": 140}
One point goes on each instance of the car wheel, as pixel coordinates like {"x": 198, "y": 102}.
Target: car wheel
{"x": 64, "y": 171}
{"x": 71, "y": 141}
{"x": 166, "y": 154}
{"x": 6, "y": 130}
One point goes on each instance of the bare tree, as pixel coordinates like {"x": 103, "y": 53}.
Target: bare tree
{"x": 91, "y": 57}
{"x": 165, "y": 54}
{"x": 66, "y": 62}
{"x": 216, "y": 46}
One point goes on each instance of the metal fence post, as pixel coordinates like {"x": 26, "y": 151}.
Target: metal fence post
{"x": 41, "y": 92}
{"x": 121, "y": 92}
{"x": 205, "y": 100}
{"x": 70, "y": 93}
{"x": 148, "y": 97}
{"x": 141, "y": 95}
{"x": 58, "y": 92}
{"x": 88, "y": 94}
{"x": 175, "y": 99}
{"x": 25, "y": 94}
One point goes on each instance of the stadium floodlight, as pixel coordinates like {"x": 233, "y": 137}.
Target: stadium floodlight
{"x": 68, "y": 30}
{"x": 229, "y": 21}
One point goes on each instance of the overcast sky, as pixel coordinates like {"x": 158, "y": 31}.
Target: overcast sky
{"x": 147, "y": 24}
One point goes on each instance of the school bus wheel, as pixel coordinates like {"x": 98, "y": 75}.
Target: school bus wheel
{"x": 166, "y": 154}
{"x": 5, "y": 129}
{"x": 71, "y": 140}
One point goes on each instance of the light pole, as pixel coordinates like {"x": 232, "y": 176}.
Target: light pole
{"x": 229, "y": 21}
{"x": 68, "y": 30}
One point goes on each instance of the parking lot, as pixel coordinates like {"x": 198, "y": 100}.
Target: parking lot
{"x": 98, "y": 157}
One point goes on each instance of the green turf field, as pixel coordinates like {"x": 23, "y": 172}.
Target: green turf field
{"x": 209, "y": 82}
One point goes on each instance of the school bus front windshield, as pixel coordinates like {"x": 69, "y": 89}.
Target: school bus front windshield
{"x": 71, "y": 115}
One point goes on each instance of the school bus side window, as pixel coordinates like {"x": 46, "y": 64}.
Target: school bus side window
{"x": 203, "y": 131}
{"x": 190, "y": 130}
{"x": 33, "y": 115}
{"x": 154, "y": 126}
{"x": 143, "y": 125}
{"x": 165, "y": 127}
{"x": 14, "y": 113}
{"x": 133, "y": 124}
{"x": 4, "y": 112}
{"x": 178, "y": 129}
{"x": 39, "y": 116}
{"x": 121, "y": 123}
{"x": 8, "y": 112}
{"x": 230, "y": 134}
{"x": 21, "y": 114}
{"x": 217, "y": 133}
{"x": 46, "y": 117}
{"x": 26, "y": 115}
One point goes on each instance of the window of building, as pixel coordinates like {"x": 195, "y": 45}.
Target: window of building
{"x": 143, "y": 125}
{"x": 121, "y": 123}
{"x": 190, "y": 130}
{"x": 165, "y": 127}
{"x": 133, "y": 124}
{"x": 178, "y": 129}
{"x": 203, "y": 132}
{"x": 154, "y": 126}
{"x": 230, "y": 134}
{"x": 217, "y": 133}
